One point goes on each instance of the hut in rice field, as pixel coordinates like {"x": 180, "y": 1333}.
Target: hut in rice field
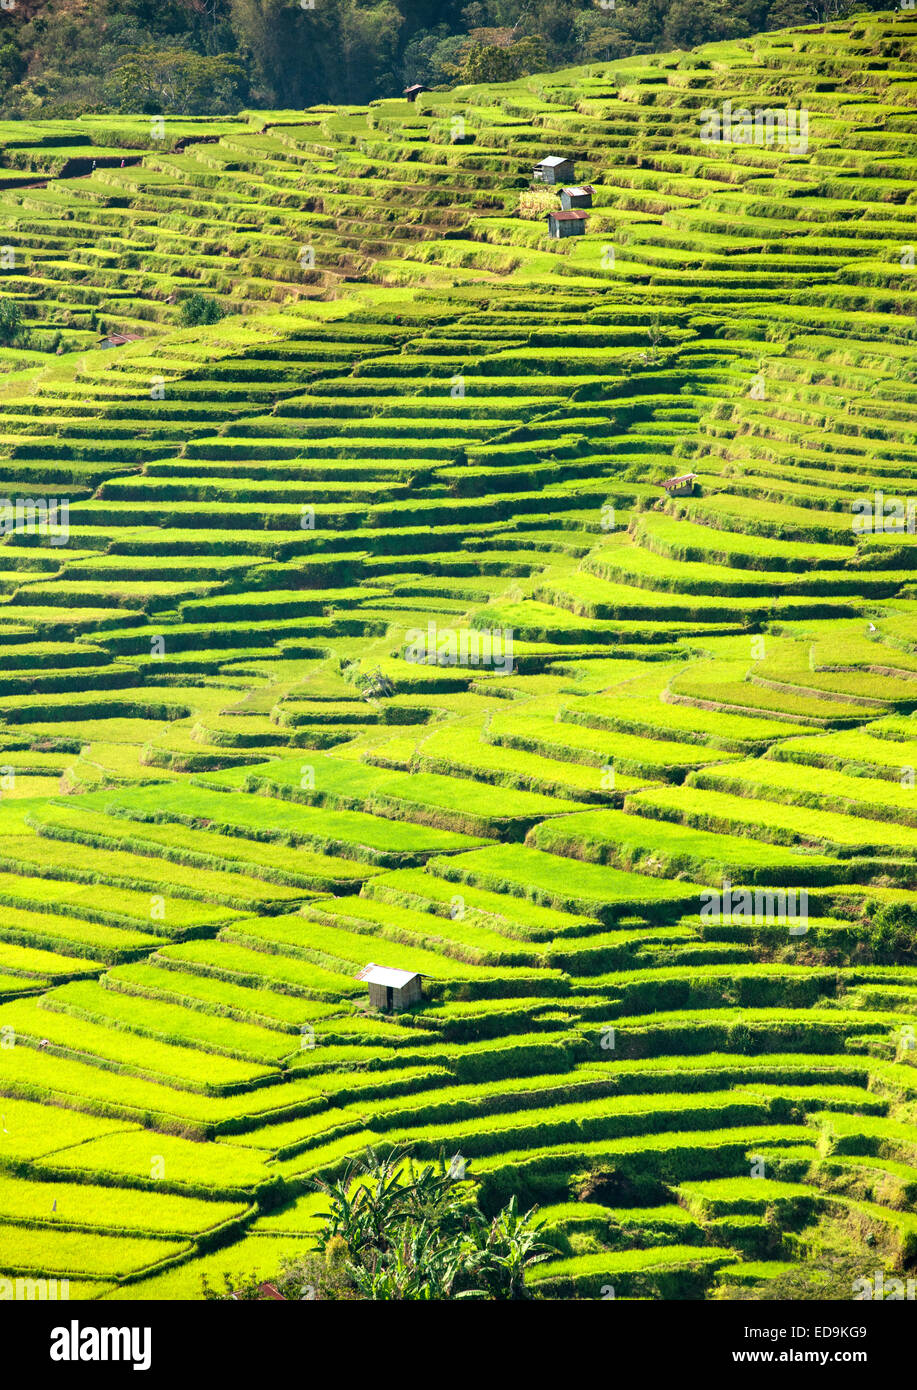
{"x": 391, "y": 990}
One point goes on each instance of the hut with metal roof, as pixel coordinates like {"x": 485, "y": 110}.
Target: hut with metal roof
{"x": 682, "y": 486}
{"x": 555, "y": 169}
{"x": 390, "y": 989}
{"x": 571, "y": 223}
{"x": 111, "y": 340}
{"x": 579, "y": 196}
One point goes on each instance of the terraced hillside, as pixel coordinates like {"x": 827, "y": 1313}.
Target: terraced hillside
{"x": 368, "y": 634}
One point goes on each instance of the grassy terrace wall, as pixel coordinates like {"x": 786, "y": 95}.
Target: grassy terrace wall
{"x": 230, "y": 777}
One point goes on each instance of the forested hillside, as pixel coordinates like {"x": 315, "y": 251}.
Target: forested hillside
{"x": 63, "y": 57}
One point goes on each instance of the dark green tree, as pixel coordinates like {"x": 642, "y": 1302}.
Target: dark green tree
{"x": 155, "y": 79}
{"x": 480, "y": 62}
{"x": 200, "y": 309}
{"x": 13, "y": 330}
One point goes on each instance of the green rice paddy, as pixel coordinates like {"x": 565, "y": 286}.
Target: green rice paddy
{"x": 374, "y": 637}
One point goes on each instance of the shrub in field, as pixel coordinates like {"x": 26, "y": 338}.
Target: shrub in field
{"x": 893, "y": 933}
{"x": 200, "y": 309}
{"x": 396, "y": 1231}
{"x": 13, "y": 330}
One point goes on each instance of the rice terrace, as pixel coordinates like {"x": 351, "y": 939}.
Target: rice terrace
{"x": 458, "y": 679}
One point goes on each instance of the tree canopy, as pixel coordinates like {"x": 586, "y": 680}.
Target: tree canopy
{"x": 211, "y": 57}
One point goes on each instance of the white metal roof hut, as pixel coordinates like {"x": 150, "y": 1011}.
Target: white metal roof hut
{"x": 554, "y": 169}
{"x": 391, "y": 989}
{"x": 561, "y": 224}
{"x": 413, "y": 92}
{"x": 577, "y": 196}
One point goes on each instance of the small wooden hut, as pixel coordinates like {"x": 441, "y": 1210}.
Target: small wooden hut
{"x": 111, "y": 340}
{"x": 555, "y": 169}
{"x": 579, "y": 196}
{"x": 570, "y": 223}
{"x": 389, "y": 989}
{"x": 682, "y": 486}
